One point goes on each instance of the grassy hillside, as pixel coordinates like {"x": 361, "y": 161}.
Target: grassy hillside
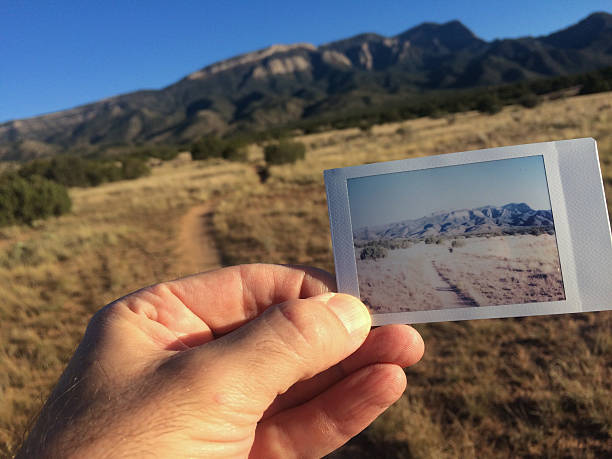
{"x": 536, "y": 386}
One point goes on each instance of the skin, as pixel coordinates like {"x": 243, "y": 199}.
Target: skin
{"x": 247, "y": 361}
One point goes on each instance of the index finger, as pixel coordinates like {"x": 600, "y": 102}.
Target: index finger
{"x": 228, "y": 297}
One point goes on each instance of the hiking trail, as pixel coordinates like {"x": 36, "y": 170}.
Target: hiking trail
{"x": 196, "y": 245}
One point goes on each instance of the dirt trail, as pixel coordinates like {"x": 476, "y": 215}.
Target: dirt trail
{"x": 196, "y": 245}
{"x": 449, "y": 294}
{"x": 448, "y": 297}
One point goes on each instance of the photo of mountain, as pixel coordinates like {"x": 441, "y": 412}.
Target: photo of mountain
{"x": 482, "y": 220}
{"x": 453, "y": 251}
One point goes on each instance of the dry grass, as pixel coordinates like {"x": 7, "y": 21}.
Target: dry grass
{"x": 505, "y": 269}
{"x": 405, "y": 280}
{"x": 119, "y": 237}
{"x": 481, "y": 272}
{"x": 537, "y": 386}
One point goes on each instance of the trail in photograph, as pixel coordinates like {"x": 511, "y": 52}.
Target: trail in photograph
{"x": 480, "y": 257}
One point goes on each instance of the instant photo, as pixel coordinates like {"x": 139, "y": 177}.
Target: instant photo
{"x": 489, "y": 233}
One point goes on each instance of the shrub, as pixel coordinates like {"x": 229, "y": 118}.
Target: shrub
{"x": 399, "y": 243}
{"x": 77, "y": 171}
{"x": 405, "y": 244}
{"x": 489, "y": 104}
{"x": 529, "y": 100}
{"x": 284, "y": 152}
{"x": 595, "y": 83}
{"x": 214, "y": 147}
{"x": 23, "y": 200}
{"x": 373, "y": 253}
{"x": 132, "y": 168}
{"x": 67, "y": 170}
{"x": 235, "y": 150}
{"x": 457, "y": 243}
{"x": 163, "y": 153}
{"x": 239, "y": 155}
{"x": 209, "y": 147}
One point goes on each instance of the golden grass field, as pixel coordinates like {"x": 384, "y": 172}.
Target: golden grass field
{"x": 537, "y": 386}
{"x": 482, "y": 271}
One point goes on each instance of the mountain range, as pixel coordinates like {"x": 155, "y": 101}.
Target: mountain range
{"x": 285, "y": 83}
{"x": 482, "y": 220}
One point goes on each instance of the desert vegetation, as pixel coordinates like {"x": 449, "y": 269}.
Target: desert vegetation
{"x": 537, "y": 386}
{"x": 284, "y": 152}
{"x": 23, "y": 200}
{"x": 373, "y": 253}
{"x": 73, "y": 171}
{"x": 212, "y": 146}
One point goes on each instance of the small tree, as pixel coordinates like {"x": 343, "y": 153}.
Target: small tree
{"x": 373, "y": 253}
{"x": 489, "y": 104}
{"x": 284, "y": 152}
{"x": 529, "y": 100}
{"x": 210, "y": 146}
{"x": 132, "y": 168}
{"x": 235, "y": 150}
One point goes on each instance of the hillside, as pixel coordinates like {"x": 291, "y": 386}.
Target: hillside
{"x": 482, "y": 220}
{"x": 285, "y": 83}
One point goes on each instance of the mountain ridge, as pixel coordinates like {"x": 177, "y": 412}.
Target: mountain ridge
{"x": 286, "y": 83}
{"x": 479, "y": 220}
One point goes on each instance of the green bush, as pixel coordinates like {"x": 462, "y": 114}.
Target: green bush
{"x": 132, "y": 168}
{"x": 393, "y": 244}
{"x": 67, "y": 170}
{"x": 235, "y": 150}
{"x": 77, "y": 171}
{"x": 594, "y": 83}
{"x": 489, "y": 104}
{"x": 238, "y": 155}
{"x": 373, "y": 253}
{"x": 214, "y": 147}
{"x": 23, "y": 200}
{"x": 161, "y": 152}
{"x": 284, "y": 152}
{"x": 529, "y": 100}
{"x": 210, "y": 146}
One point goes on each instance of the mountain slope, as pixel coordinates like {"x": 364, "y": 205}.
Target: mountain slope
{"x": 284, "y": 83}
{"x": 487, "y": 219}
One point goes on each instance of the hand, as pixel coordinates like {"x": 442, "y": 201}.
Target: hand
{"x": 251, "y": 360}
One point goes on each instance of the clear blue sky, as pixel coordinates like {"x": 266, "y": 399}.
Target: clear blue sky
{"x": 59, "y": 54}
{"x": 391, "y": 198}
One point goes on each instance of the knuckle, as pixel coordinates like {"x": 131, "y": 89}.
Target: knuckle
{"x": 295, "y": 332}
{"x": 301, "y": 324}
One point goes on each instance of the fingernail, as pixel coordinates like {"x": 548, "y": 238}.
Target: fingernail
{"x": 352, "y": 313}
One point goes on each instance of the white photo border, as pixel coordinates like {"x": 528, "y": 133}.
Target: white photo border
{"x": 582, "y": 228}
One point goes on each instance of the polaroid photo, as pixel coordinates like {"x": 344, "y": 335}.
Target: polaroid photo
{"x": 501, "y": 232}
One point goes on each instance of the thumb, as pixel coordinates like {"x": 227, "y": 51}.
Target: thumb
{"x": 290, "y": 342}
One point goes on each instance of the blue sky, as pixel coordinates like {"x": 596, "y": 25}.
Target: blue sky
{"x": 59, "y": 54}
{"x": 390, "y": 198}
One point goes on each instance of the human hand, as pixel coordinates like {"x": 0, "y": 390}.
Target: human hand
{"x": 250, "y": 360}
